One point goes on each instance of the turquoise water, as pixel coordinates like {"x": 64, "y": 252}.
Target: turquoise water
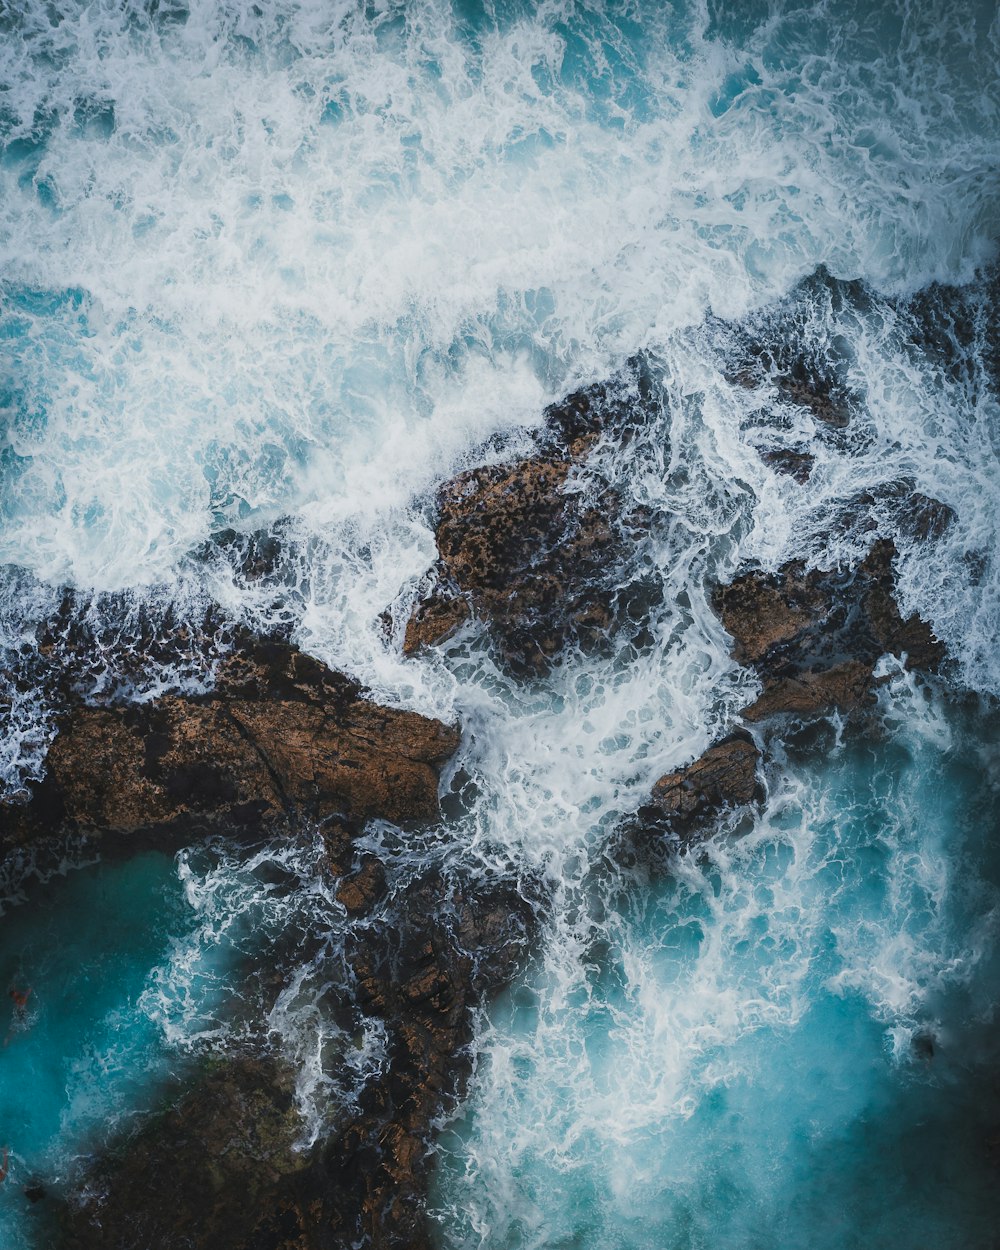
{"x": 788, "y": 1042}
{"x": 82, "y": 1055}
{"x": 301, "y": 261}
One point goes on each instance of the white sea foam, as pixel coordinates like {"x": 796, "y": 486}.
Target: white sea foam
{"x": 302, "y": 260}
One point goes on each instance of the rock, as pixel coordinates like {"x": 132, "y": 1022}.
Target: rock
{"x": 219, "y": 1170}
{"x": 522, "y": 551}
{"x": 790, "y": 348}
{"x": 897, "y": 506}
{"x": 724, "y": 777}
{"x": 279, "y": 734}
{"x": 815, "y": 636}
{"x": 793, "y": 464}
{"x": 843, "y": 688}
{"x": 203, "y": 1173}
{"x": 825, "y": 399}
{"x": 452, "y": 946}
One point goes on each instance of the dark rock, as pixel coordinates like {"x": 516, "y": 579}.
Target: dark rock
{"x": 725, "y": 777}
{"x": 794, "y": 464}
{"x": 451, "y": 948}
{"x": 219, "y": 1170}
{"x": 253, "y": 556}
{"x": 793, "y": 349}
{"x": 522, "y": 552}
{"x": 279, "y": 734}
{"x": 815, "y": 636}
{"x": 897, "y": 506}
{"x": 201, "y": 1174}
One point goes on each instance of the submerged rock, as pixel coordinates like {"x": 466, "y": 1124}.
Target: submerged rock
{"x": 220, "y": 1169}
{"x": 209, "y": 1171}
{"x": 815, "y": 636}
{"x": 279, "y": 734}
{"x": 523, "y": 551}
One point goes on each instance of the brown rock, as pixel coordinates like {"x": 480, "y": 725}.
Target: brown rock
{"x": 724, "y": 777}
{"x": 912, "y": 637}
{"x": 522, "y": 551}
{"x": 434, "y": 620}
{"x": 843, "y": 688}
{"x": 815, "y": 636}
{"x": 280, "y": 734}
{"x": 450, "y": 947}
{"x": 763, "y": 611}
{"x": 826, "y": 401}
{"x": 359, "y": 891}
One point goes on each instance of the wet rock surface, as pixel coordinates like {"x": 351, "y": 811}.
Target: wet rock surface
{"x": 815, "y": 636}
{"x": 220, "y": 1170}
{"x": 523, "y": 549}
{"x": 794, "y": 464}
{"x": 726, "y": 776}
{"x": 279, "y": 735}
{"x": 202, "y": 1172}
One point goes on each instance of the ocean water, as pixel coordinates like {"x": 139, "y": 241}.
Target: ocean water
{"x": 294, "y": 263}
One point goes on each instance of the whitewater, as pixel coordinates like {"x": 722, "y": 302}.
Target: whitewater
{"x": 288, "y": 266}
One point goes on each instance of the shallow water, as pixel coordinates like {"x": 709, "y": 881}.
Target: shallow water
{"x": 300, "y": 260}
{"x": 81, "y": 1053}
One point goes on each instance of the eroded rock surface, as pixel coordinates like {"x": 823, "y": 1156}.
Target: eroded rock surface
{"x": 726, "y": 776}
{"x": 279, "y": 734}
{"x": 815, "y": 636}
{"x": 219, "y": 1171}
{"x": 523, "y": 550}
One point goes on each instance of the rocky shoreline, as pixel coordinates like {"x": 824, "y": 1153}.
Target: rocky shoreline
{"x": 279, "y": 742}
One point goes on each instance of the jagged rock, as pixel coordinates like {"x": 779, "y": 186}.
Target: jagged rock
{"x": 914, "y": 515}
{"x": 726, "y": 776}
{"x": 219, "y": 1171}
{"x": 280, "y": 733}
{"x": 815, "y": 636}
{"x": 843, "y": 688}
{"x": 522, "y": 552}
{"x": 451, "y": 948}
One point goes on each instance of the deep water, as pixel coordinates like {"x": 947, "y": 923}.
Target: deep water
{"x": 295, "y": 263}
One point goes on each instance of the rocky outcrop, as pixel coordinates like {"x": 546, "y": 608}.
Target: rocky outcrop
{"x": 815, "y": 636}
{"x": 280, "y": 734}
{"x": 524, "y": 551}
{"x": 451, "y": 948}
{"x": 219, "y": 1170}
{"x": 725, "y": 777}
